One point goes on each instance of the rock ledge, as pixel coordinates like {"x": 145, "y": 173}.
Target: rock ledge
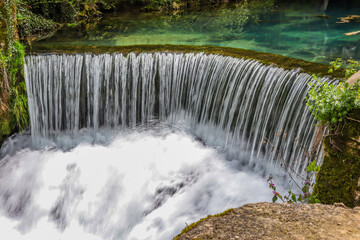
{"x": 278, "y": 221}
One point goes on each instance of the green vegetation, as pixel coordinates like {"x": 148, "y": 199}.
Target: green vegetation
{"x": 193, "y": 225}
{"x": 338, "y": 178}
{"x": 349, "y": 66}
{"x": 331, "y": 103}
{"x": 64, "y": 11}
{"x": 38, "y": 19}
{"x": 19, "y": 116}
{"x": 14, "y": 115}
{"x": 339, "y": 108}
{"x": 305, "y": 196}
{"x": 336, "y": 106}
{"x": 32, "y": 26}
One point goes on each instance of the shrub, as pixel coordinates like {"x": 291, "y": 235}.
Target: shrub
{"x": 330, "y": 104}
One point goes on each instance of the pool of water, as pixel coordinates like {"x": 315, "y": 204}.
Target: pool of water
{"x": 143, "y": 184}
{"x": 303, "y": 33}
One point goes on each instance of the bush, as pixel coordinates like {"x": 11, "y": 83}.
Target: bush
{"x": 330, "y": 104}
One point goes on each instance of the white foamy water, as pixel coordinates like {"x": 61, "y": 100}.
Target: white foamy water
{"x": 142, "y": 185}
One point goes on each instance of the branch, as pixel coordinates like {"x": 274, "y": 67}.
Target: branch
{"x": 352, "y": 119}
{"x": 333, "y": 144}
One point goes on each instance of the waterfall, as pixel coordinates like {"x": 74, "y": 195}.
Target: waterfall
{"x": 234, "y": 104}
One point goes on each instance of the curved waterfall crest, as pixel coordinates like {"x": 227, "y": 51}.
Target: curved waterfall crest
{"x": 231, "y": 103}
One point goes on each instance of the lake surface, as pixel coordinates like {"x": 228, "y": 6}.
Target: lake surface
{"x": 303, "y": 33}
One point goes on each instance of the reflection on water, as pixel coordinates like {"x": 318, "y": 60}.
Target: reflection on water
{"x": 299, "y": 33}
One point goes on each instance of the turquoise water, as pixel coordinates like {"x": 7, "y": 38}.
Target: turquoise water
{"x": 295, "y": 32}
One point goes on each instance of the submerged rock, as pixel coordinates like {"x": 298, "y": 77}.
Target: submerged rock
{"x": 278, "y": 221}
{"x": 350, "y": 18}
{"x": 322, "y": 16}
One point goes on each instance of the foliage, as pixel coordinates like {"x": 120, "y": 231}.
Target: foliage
{"x": 68, "y": 10}
{"x": 33, "y": 26}
{"x": 72, "y": 25}
{"x": 18, "y": 101}
{"x": 7, "y": 17}
{"x": 329, "y": 103}
{"x": 14, "y": 113}
{"x": 19, "y": 106}
{"x": 350, "y": 66}
{"x": 4, "y": 83}
{"x": 337, "y": 180}
{"x": 305, "y": 196}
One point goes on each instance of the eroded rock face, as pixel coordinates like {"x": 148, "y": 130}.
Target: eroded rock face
{"x": 280, "y": 221}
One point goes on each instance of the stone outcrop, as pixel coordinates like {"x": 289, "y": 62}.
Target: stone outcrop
{"x": 279, "y": 221}
{"x": 353, "y": 79}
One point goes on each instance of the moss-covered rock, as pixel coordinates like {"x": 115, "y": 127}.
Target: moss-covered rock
{"x": 195, "y": 224}
{"x": 14, "y": 114}
{"x": 266, "y": 58}
{"x": 338, "y": 179}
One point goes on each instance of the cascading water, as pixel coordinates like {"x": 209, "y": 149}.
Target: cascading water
{"x": 230, "y": 103}
{"x": 150, "y": 174}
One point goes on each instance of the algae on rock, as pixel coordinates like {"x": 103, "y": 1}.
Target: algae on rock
{"x": 338, "y": 178}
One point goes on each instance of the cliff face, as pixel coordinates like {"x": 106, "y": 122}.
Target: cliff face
{"x": 279, "y": 221}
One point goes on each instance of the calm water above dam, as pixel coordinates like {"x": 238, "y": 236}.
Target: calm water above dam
{"x": 293, "y": 31}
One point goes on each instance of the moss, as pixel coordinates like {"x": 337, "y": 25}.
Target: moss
{"x": 266, "y": 58}
{"x": 337, "y": 180}
{"x": 19, "y": 116}
{"x": 193, "y": 225}
{"x": 13, "y": 112}
{"x": 5, "y": 129}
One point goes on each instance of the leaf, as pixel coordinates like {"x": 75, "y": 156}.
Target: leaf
{"x": 293, "y": 197}
{"x": 274, "y": 198}
{"x": 311, "y": 166}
